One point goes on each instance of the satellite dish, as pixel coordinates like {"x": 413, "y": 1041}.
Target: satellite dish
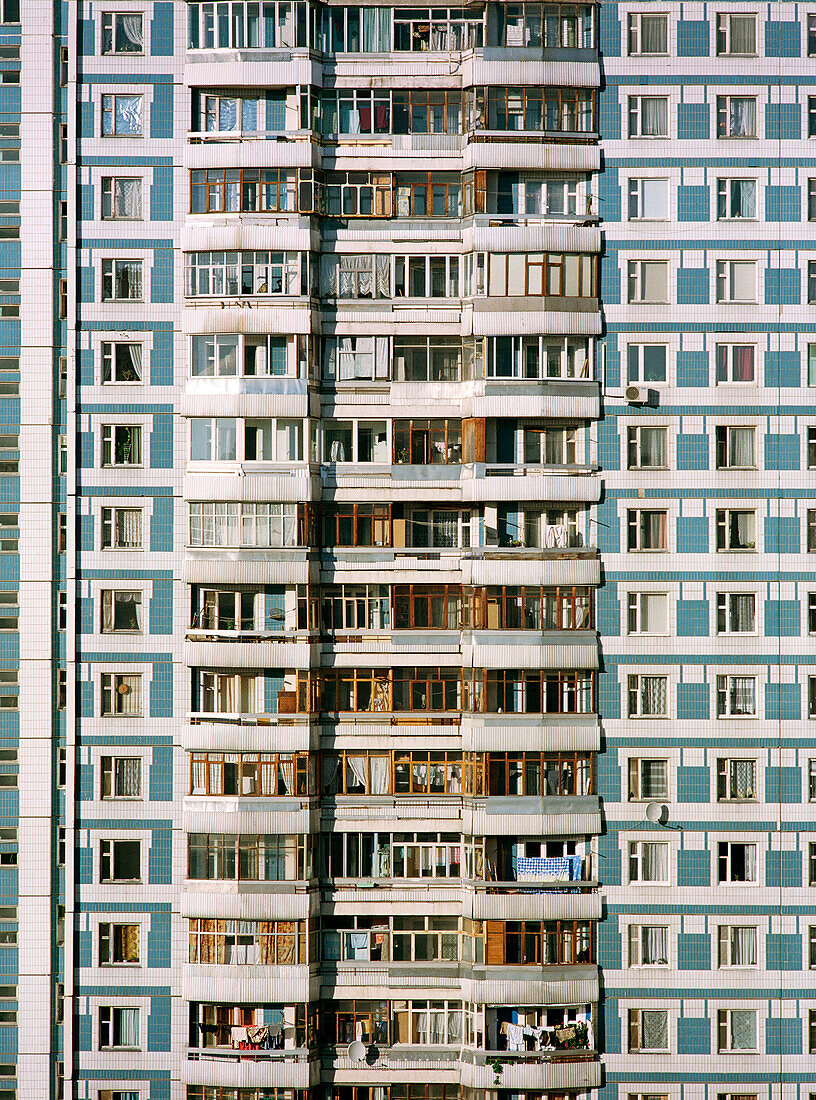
{"x": 357, "y": 1051}
{"x": 654, "y": 812}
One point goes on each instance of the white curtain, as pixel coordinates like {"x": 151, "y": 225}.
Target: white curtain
{"x": 330, "y": 766}
{"x": 743, "y": 947}
{"x": 359, "y": 770}
{"x": 742, "y": 778}
{"x": 653, "y": 695}
{"x": 127, "y": 197}
{"x": 743, "y": 117}
{"x": 379, "y": 774}
{"x": 741, "y": 447}
{"x": 655, "y": 1029}
{"x": 135, "y": 350}
{"x": 743, "y": 1029}
{"x": 287, "y": 774}
{"x": 131, "y": 26}
{"x": 743, "y": 198}
{"x": 742, "y": 695}
{"x": 653, "y": 34}
{"x": 128, "y": 1027}
{"x": 199, "y": 777}
{"x": 654, "y": 945}
{"x": 128, "y": 114}
{"x": 653, "y": 446}
{"x": 655, "y": 862}
{"x": 129, "y": 778}
{"x": 654, "y": 116}
{"x": 750, "y": 863}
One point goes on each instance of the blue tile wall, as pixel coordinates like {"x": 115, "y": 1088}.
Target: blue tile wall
{"x": 783, "y": 869}
{"x": 161, "y": 442}
{"x": 84, "y": 942}
{"x": 692, "y": 452}
{"x": 86, "y": 37}
{"x": 692, "y": 286}
{"x": 274, "y": 607}
{"x": 692, "y": 535}
{"x": 86, "y": 120}
{"x": 611, "y": 1027}
{"x": 86, "y": 699}
{"x": 85, "y": 782}
{"x": 82, "y": 1031}
{"x": 693, "y": 1034}
{"x": 693, "y": 784}
{"x": 273, "y": 683}
{"x": 783, "y": 952}
{"x": 783, "y": 121}
{"x": 158, "y": 1024}
{"x": 86, "y": 613}
{"x": 692, "y": 38}
{"x": 693, "y": 204}
{"x": 693, "y": 702}
{"x": 161, "y": 774}
{"x": 84, "y": 865}
{"x": 609, "y": 694}
{"x": 693, "y": 122}
{"x": 608, "y": 610}
{"x": 159, "y": 862}
{"x": 610, "y": 857}
{"x": 782, "y": 702}
{"x": 608, "y": 527}
{"x": 609, "y": 942}
{"x": 161, "y": 691}
{"x": 783, "y": 1036}
{"x": 86, "y": 367}
{"x": 783, "y": 785}
{"x": 161, "y": 358}
{"x": 692, "y": 368}
{"x": 782, "y": 452}
{"x": 161, "y": 111}
{"x": 158, "y": 940}
{"x": 782, "y": 39}
{"x": 161, "y": 607}
{"x": 782, "y": 369}
{"x": 161, "y": 524}
{"x": 783, "y": 204}
{"x": 693, "y": 868}
{"x": 609, "y": 113}
{"x": 86, "y": 202}
{"x": 608, "y": 441}
{"x": 609, "y": 195}
{"x": 161, "y": 31}
{"x": 161, "y": 276}
{"x": 86, "y": 288}
{"x": 781, "y": 535}
{"x": 610, "y": 31}
{"x": 611, "y": 280}
{"x": 692, "y": 618}
{"x": 161, "y": 195}
{"x": 782, "y": 618}
{"x": 609, "y": 774}
{"x": 782, "y": 287}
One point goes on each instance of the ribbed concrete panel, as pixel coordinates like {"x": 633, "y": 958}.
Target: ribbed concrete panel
{"x": 222, "y": 737}
{"x": 282, "y": 319}
{"x": 547, "y": 1075}
{"x": 491, "y": 991}
{"x": 253, "y": 69}
{"x": 546, "y": 570}
{"x": 552, "y": 237}
{"x": 296, "y": 820}
{"x": 515, "y": 825}
{"x": 567, "y": 407}
{"x": 544, "y": 157}
{"x": 493, "y": 735}
{"x": 532, "y": 906}
{"x": 232, "y": 905}
{"x": 226, "y": 568}
{"x": 533, "y": 322}
{"x": 569, "y": 488}
{"x": 258, "y": 654}
{"x": 565, "y": 74}
{"x": 295, "y": 151}
{"x": 283, "y": 984}
{"x": 517, "y": 655}
{"x": 246, "y": 404}
{"x": 279, "y": 233}
{"x": 278, "y": 487}
{"x": 276, "y": 1070}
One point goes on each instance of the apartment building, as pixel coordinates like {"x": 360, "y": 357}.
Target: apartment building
{"x": 403, "y": 616}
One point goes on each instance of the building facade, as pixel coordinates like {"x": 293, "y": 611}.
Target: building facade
{"x": 408, "y": 528}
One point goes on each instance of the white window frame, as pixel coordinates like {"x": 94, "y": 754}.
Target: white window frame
{"x": 636, "y": 937}
{"x": 634, "y": 37}
{"x": 634, "y": 1026}
{"x": 811, "y": 790}
{"x": 726, "y": 352}
{"x": 725, "y": 945}
{"x": 634, "y": 112}
{"x": 634, "y": 446}
{"x": 724, "y": 614}
{"x": 635, "y": 860}
{"x": 636, "y": 200}
{"x": 106, "y": 108}
{"x": 724, "y": 1020}
{"x": 724, "y": 431}
{"x": 108, "y": 1026}
{"x": 113, "y": 16}
{"x": 812, "y": 947}
{"x": 110, "y": 686}
{"x": 108, "y": 521}
{"x": 635, "y": 683}
{"x": 109, "y": 356}
{"x": 638, "y": 375}
{"x": 636, "y": 778}
{"x": 635, "y": 282}
{"x": 633, "y": 523}
{"x": 109, "y": 279}
{"x": 723, "y": 120}
{"x": 724, "y": 772}
{"x": 108, "y": 936}
{"x": 108, "y": 596}
{"x": 725, "y": 695}
{"x": 725, "y": 290}
{"x": 107, "y": 187}
{"x": 635, "y": 613}
{"x": 108, "y": 441}
{"x": 729, "y": 880}
{"x": 113, "y": 796}
{"x": 725, "y": 198}
{"x": 725, "y": 528}
{"x": 725, "y": 32}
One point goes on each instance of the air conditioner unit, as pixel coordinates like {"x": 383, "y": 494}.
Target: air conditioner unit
{"x": 638, "y": 395}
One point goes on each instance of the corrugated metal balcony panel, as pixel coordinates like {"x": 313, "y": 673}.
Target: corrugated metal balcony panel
{"x": 535, "y": 989}
{"x": 545, "y": 905}
{"x": 244, "y": 905}
{"x": 522, "y": 651}
{"x": 226, "y": 401}
{"x": 541, "y": 824}
{"x": 543, "y": 156}
{"x": 283, "y": 319}
{"x": 253, "y": 984}
{"x": 248, "y": 567}
{"x": 295, "y": 149}
{"x": 478, "y": 69}
{"x": 297, "y": 818}
{"x": 251, "y": 68}
{"x": 231, "y": 737}
{"x": 401, "y": 1064}
{"x": 239, "y": 486}
{"x": 514, "y": 569}
{"x": 441, "y": 815}
{"x": 279, "y": 1069}
{"x": 552, "y": 236}
{"x": 538, "y": 402}
{"x": 345, "y": 736}
{"x": 490, "y": 320}
{"x": 555, "y": 1074}
{"x": 255, "y": 654}
{"x": 344, "y": 903}
{"x": 249, "y": 232}
{"x": 495, "y": 733}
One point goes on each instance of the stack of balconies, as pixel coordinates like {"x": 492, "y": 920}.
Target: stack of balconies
{"x": 390, "y": 302}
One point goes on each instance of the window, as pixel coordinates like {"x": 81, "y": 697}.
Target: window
{"x": 736, "y": 861}
{"x": 736, "y": 1029}
{"x": 245, "y": 942}
{"x": 121, "y": 694}
{"x": 248, "y": 857}
{"x": 213, "y": 523}
{"x": 736, "y": 612}
{"x": 811, "y": 689}
{"x": 648, "y": 200}
{"x": 119, "y": 944}
{"x": 121, "y": 776}
{"x": 646, "y": 529}
{"x": 134, "y": 1094}
{"x": 648, "y": 1029}
{"x": 648, "y": 281}
{"x": 121, "y": 445}
{"x": 811, "y": 448}
{"x": 736, "y": 945}
{"x": 121, "y": 528}
{"x": 648, "y": 696}
{"x": 10, "y": 11}
{"x": 648, "y": 116}
{"x": 62, "y": 610}
{"x": 736, "y": 116}
{"x": 646, "y": 362}
{"x": 812, "y": 947}
{"x": 122, "y": 280}
{"x": 648, "y": 945}
{"x": 648, "y": 779}
{"x": 736, "y": 780}
{"x": 811, "y": 199}
{"x": 122, "y": 115}
{"x": 121, "y": 362}
{"x": 736, "y": 35}
{"x": 118, "y": 1028}
{"x": 122, "y": 198}
{"x": 648, "y": 34}
{"x": 647, "y": 613}
{"x": 810, "y": 521}
{"x": 256, "y": 190}
{"x": 736, "y": 281}
{"x": 284, "y": 24}
{"x": 736, "y": 696}
{"x": 649, "y": 861}
{"x": 811, "y": 613}
{"x": 122, "y": 33}
{"x": 736, "y": 529}
{"x": 232, "y": 274}
{"x": 646, "y": 448}
{"x": 734, "y": 448}
{"x": 736, "y": 199}
{"x": 120, "y": 860}
{"x": 811, "y": 281}
{"x": 735, "y": 363}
